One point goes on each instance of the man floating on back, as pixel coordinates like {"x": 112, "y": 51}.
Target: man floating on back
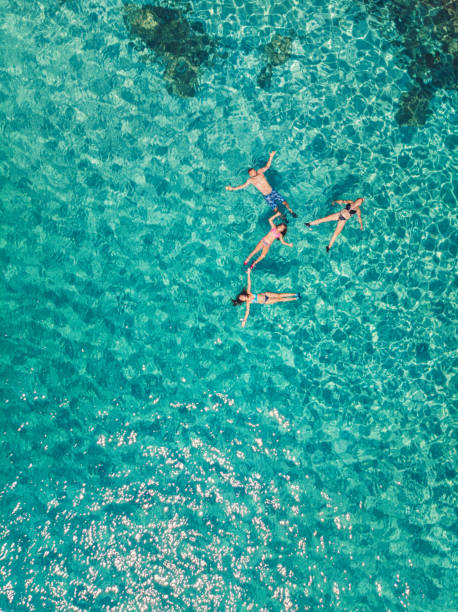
{"x": 257, "y": 178}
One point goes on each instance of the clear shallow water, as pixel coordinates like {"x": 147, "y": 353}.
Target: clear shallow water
{"x": 155, "y": 455}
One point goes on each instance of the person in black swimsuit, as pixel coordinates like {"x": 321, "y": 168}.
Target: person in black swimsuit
{"x": 351, "y": 208}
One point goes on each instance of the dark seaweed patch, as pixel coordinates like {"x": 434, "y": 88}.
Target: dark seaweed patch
{"x": 183, "y": 46}
{"x": 428, "y": 35}
{"x": 276, "y": 52}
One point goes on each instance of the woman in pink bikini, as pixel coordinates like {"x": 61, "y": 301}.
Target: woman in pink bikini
{"x": 277, "y": 232}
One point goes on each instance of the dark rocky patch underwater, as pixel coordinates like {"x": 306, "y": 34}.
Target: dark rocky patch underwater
{"x": 275, "y": 53}
{"x": 428, "y": 33}
{"x": 182, "y": 45}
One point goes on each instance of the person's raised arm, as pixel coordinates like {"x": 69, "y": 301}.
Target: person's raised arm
{"x": 269, "y": 161}
{"x": 245, "y": 184}
{"x": 271, "y": 219}
{"x": 342, "y": 202}
{"x": 248, "y": 282}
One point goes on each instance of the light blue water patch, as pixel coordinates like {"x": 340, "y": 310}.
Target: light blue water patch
{"x": 155, "y": 454}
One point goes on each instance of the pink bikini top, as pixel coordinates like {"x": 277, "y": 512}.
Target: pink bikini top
{"x": 275, "y": 232}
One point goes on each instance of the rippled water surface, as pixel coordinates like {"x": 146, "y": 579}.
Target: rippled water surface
{"x": 155, "y": 455}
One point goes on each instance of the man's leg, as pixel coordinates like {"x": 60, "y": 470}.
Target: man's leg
{"x": 271, "y": 200}
{"x": 285, "y": 203}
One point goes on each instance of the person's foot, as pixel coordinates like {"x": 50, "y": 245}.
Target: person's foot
{"x": 308, "y": 224}
{"x": 245, "y": 263}
{"x": 293, "y": 214}
{"x": 327, "y": 249}
{"x": 252, "y": 266}
{"x": 299, "y": 296}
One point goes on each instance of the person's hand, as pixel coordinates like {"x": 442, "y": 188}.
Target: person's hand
{"x": 248, "y": 271}
{"x": 228, "y": 188}
{"x": 272, "y": 153}
{"x": 290, "y": 244}
{"x": 243, "y": 323}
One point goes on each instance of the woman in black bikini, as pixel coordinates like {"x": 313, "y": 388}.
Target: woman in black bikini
{"x": 351, "y": 208}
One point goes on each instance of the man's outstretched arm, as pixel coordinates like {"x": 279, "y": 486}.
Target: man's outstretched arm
{"x": 267, "y": 166}
{"x": 245, "y": 184}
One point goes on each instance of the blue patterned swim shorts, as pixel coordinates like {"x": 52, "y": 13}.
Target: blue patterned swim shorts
{"x": 273, "y": 199}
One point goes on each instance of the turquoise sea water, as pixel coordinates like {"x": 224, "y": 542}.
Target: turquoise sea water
{"x": 154, "y": 455}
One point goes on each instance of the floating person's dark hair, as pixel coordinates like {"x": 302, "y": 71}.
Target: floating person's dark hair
{"x": 284, "y": 230}
{"x": 237, "y": 300}
{"x": 250, "y": 169}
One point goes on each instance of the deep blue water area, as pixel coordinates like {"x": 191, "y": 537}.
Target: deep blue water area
{"x": 155, "y": 455}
